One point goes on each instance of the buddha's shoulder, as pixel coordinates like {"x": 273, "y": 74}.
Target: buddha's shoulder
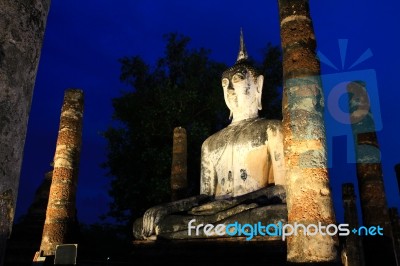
{"x": 271, "y": 124}
{"x": 258, "y": 128}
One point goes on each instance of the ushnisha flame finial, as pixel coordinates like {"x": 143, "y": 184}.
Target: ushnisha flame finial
{"x": 242, "y": 51}
{"x": 242, "y": 61}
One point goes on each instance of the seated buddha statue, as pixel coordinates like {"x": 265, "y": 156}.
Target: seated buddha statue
{"x": 242, "y": 166}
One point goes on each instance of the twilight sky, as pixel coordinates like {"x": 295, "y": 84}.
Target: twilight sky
{"x": 84, "y": 40}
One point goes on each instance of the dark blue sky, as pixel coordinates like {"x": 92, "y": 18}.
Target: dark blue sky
{"x": 85, "y": 39}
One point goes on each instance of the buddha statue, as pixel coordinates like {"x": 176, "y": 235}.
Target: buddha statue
{"x": 242, "y": 166}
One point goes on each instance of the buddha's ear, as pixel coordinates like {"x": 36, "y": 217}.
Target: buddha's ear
{"x": 225, "y": 88}
{"x": 260, "y": 82}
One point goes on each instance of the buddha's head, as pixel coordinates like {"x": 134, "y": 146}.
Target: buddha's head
{"x": 242, "y": 84}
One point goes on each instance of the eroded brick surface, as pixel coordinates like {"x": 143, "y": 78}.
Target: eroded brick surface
{"x": 308, "y": 192}
{"x": 60, "y": 214}
{"x": 179, "y": 164}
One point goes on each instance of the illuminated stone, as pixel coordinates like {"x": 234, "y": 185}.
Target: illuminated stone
{"x": 242, "y": 165}
{"x": 60, "y": 215}
{"x": 22, "y": 26}
{"x": 309, "y": 200}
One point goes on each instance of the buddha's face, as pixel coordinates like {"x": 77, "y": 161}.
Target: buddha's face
{"x": 242, "y": 92}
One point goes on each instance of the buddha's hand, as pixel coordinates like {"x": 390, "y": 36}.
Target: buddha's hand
{"x": 151, "y": 218}
{"x": 213, "y": 207}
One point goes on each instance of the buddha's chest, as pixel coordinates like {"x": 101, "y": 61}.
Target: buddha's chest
{"x": 242, "y": 164}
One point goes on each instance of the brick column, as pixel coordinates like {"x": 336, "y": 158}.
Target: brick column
{"x": 353, "y": 243}
{"x": 309, "y": 199}
{"x": 370, "y": 177}
{"x": 369, "y": 169}
{"x": 179, "y": 164}
{"x": 60, "y": 214}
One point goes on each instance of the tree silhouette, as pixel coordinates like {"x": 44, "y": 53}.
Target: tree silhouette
{"x": 183, "y": 89}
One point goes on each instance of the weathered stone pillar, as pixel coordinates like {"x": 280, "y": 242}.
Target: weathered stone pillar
{"x": 60, "y": 214}
{"x": 308, "y": 193}
{"x": 395, "y": 222}
{"x": 369, "y": 169}
{"x": 22, "y": 25}
{"x": 353, "y": 243}
{"x": 377, "y": 250}
{"x": 179, "y": 164}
